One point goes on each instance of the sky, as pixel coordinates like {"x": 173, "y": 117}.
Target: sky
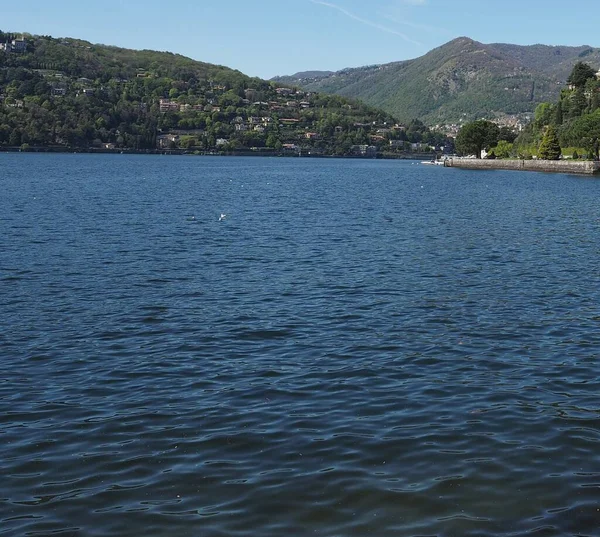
{"x": 267, "y": 38}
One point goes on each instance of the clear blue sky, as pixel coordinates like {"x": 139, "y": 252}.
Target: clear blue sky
{"x": 274, "y": 37}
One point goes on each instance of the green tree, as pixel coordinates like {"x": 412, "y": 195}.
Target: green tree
{"x": 584, "y": 132}
{"x": 558, "y": 113}
{"x": 504, "y": 149}
{"x": 507, "y": 134}
{"x": 550, "y": 146}
{"x": 580, "y": 74}
{"x": 543, "y": 115}
{"x": 577, "y": 103}
{"x": 15, "y": 137}
{"x": 273, "y": 141}
{"x": 475, "y": 136}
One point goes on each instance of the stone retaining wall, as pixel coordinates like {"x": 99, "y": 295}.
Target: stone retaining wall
{"x": 586, "y": 167}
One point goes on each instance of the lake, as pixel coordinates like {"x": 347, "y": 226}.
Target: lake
{"x": 206, "y": 346}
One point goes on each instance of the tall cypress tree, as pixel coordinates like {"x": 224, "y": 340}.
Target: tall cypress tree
{"x": 558, "y": 114}
{"x": 550, "y": 146}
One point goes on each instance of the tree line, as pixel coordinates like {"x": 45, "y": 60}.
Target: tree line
{"x": 568, "y": 128}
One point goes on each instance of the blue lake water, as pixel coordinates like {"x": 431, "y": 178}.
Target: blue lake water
{"x": 357, "y": 348}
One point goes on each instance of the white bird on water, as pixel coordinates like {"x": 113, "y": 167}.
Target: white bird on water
{"x": 222, "y": 217}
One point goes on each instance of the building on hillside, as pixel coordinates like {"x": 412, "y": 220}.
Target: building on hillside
{"x": 364, "y": 150}
{"x": 397, "y": 144}
{"x": 166, "y": 105}
{"x": 16, "y": 45}
{"x": 419, "y": 146}
{"x": 19, "y": 45}
{"x": 166, "y": 141}
{"x": 251, "y": 94}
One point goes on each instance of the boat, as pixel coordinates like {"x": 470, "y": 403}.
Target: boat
{"x": 437, "y": 162}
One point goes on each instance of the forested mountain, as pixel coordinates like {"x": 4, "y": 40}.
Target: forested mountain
{"x": 461, "y": 80}
{"x": 73, "y": 94}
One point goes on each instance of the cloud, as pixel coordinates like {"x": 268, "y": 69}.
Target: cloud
{"x": 367, "y": 22}
{"x": 421, "y": 27}
{"x": 396, "y": 13}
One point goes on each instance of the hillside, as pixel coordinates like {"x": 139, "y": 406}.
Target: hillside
{"x": 461, "y": 80}
{"x": 69, "y": 93}
{"x": 571, "y": 124}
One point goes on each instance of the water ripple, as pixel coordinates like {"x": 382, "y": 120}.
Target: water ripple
{"x": 348, "y": 355}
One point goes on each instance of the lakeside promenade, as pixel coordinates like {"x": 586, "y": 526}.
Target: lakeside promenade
{"x": 585, "y": 167}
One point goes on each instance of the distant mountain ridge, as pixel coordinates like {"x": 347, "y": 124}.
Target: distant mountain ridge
{"x": 463, "y": 79}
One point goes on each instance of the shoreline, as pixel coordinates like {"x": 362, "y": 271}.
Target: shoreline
{"x": 193, "y": 153}
{"x": 580, "y": 167}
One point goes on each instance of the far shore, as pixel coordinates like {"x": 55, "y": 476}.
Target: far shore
{"x": 247, "y": 153}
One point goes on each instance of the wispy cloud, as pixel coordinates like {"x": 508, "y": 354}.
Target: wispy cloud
{"x": 422, "y": 27}
{"x": 367, "y": 22}
{"x": 396, "y": 13}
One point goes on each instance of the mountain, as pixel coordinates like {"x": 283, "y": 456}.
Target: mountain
{"x": 304, "y": 75}
{"x": 461, "y": 80}
{"x": 68, "y": 93}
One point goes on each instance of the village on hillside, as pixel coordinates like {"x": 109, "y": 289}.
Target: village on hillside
{"x": 191, "y": 115}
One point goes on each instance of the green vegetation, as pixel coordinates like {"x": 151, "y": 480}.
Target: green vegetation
{"x": 503, "y": 149}
{"x": 573, "y": 122}
{"x": 68, "y": 93}
{"x": 461, "y": 80}
{"x": 581, "y": 73}
{"x": 476, "y": 136}
{"x": 550, "y": 146}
